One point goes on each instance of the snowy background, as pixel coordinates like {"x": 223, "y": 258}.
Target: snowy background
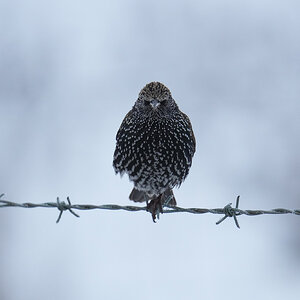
{"x": 71, "y": 70}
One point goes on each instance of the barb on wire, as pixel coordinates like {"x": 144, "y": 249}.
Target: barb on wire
{"x": 227, "y": 211}
{"x": 231, "y": 212}
{"x": 62, "y": 206}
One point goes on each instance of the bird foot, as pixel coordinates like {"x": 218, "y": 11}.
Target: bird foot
{"x": 155, "y": 208}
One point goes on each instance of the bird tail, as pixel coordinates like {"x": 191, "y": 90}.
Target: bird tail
{"x": 140, "y": 196}
{"x": 168, "y": 198}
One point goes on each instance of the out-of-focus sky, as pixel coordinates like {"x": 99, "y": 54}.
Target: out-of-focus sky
{"x": 71, "y": 70}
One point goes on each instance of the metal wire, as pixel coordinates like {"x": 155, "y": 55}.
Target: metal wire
{"x": 227, "y": 211}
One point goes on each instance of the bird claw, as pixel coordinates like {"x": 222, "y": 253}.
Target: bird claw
{"x": 155, "y": 208}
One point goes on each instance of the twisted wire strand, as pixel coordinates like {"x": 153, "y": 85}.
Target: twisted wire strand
{"x": 227, "y": 211}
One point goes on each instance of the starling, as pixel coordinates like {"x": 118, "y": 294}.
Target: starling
{"x": 155, "y": 146}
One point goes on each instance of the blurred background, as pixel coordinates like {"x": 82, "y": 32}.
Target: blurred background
{"x": 71, "y": 70}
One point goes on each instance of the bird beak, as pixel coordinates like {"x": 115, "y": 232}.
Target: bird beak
{"x": 154, "y": 103}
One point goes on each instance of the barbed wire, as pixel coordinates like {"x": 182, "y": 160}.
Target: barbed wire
{"x": 227, "y": 211}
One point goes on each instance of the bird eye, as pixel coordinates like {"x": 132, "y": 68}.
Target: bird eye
{"x": 146, "y": 102}
{"x": 163, "y": 102}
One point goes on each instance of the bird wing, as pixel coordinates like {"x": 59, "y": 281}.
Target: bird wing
{"x": 191, "y": 132}
{"x": 125, "y": 120}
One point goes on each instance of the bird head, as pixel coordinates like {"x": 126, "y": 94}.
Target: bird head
{"x": 155, "y": 99}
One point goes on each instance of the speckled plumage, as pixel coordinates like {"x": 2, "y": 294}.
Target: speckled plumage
{"x": 155, "y": 145}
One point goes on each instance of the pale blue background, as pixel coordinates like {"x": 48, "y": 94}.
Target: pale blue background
{"x": 70, "y": 71}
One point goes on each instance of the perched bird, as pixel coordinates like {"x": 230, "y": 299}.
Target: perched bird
{"x": 155, "y": 146}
